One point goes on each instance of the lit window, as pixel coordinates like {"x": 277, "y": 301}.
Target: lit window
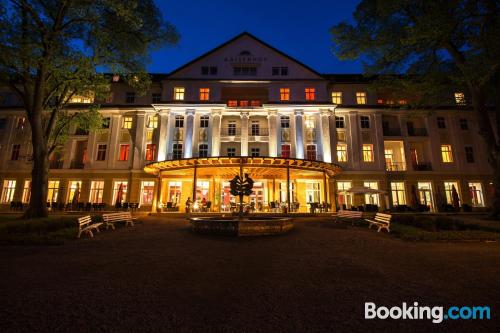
{"x": 130, "y": 97}
{"x": 204, "y": 120}
{"x": 255, "y": 152}
{"x": 368, "y": 153}
{"x": 153, "y": 121}
{"x": 243, "y": 103}
{"x": 341, "y": 152}
{"x": 203, "y": 150}
{"x": 469, "y": 154}
{"x": 337, "y": 97}
{"x": 179, "y": 121}
{"x": 460, "y": 98}
{"x": 285, "y": 121}
{"x": 116, "y": 78}
{"x": 284, "y": 94}
{"x": 232, "y": 103}
{"x": 463, "y": 124}
{"x": 81, "y": 99}
{"x": 177, "y": 151}
{"x": 96, "y": 191}
{"x": 27, "y": 191}
{"x": 124, "y": 152}
{"x": 285, "y": 151}
{"x": 147, "y": 192}
{"x": 9, "y": 188}
{"x": 311, "y": 152}
{"x": 156, "y": 98}
{"x": 380, "y": 101}
{"x": 364, "y": 121}
{"x": 310, "y": 94}
{"x": 75, "y": 190}
{"x": 441, "y": 123}
{"x": 149, "y": 136}
{"x": 150, "y": 152}
{"x": 449, "y": 188}
{"x": 119, "y": 191}
{"x": 403, "y": 102}
{"x": 310, "y": 122}
{"x": 127, "y": 122}
{"x": 446, "y": 154}
{"x": 15, "y": 152}
{"x": 476, "y": 193}
{"x": 339, "y": 122}
{"x": 255, "y": 103}
{"x": 372, "y": 198}
{"x": 52, "y": 190}
{"x": 179, "y": 93}
{"x": 231, "y": 151}
{"x": 398, "y": 193}
{"x": 361, "y": 97}
{"x": 204, "y": 94}
{"x": 101, "y": 152}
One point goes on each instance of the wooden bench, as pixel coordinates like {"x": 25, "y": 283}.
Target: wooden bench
{"x": 86, "y": 225}
{"x": 382, "y": 221}
{"x": 111, "y": 218}
{"x": 348, "y": 215}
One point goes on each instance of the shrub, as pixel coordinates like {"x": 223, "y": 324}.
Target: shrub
{"x": 406, "y": 219}
{"x": 425, "y": 223}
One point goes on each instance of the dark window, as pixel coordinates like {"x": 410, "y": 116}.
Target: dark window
{"x": 3, "y": 122}
{"x": 469, "y": 154}
{"x": 255, "y": 128}
{"x": 285, "y": 151}
{"x": 284, "y": 70}
{"x": 177, "y": 151}
{"x": 231, "y": 151}
{"x": 101, "y": 152}
{"x": 130, "y": 97}
{"x": 179, "y": 121}
{"x": 365, "y": 122}
{"x": 156, "y": 98}
{"x": 441, "y": 122}
{"x": 105, "y": 122}
{"x": 213, "y": 70}
{"x": 285, "y": 122}
{"x": 279, "y": 71}
{"x": 276, "y": 71}
{"x": 204, "y": 70}
{"x": 15, "y": 152}
{"x": 245, "y": 70}
{"x": 463, "y": 124}
{"x": 339, "y": 122}
{"x": 203, "y": 150}
{"x": 204, "y": 121}
{"x": 255, "y": 152}
{"x": 208, "y": 70}
{"x": 311, "y": 152}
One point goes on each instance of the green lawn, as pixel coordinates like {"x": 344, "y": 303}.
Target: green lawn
{"x": 53, "y": 230}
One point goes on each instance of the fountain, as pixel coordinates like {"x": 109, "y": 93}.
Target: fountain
{"x": 243, "y": 224}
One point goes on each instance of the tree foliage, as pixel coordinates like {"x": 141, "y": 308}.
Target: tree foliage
{"x": 53, "y": 50}
{"x": 437, "y": 45}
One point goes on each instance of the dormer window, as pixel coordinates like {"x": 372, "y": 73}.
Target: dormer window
{"x": 460, "y": 98}
{"x": 283, "y": 71}
{"x": 245, "y": 70}
{"x": 208, "y": 70}
{"x": 179, "y": 93}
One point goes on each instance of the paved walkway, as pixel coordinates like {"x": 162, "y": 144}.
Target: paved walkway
{"x": 160, "y": 277}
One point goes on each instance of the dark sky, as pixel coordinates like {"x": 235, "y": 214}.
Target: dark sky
{"x": 298, "y": 28}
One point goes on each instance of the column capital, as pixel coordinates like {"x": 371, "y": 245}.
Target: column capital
{"x": 163, "y": 112}
{"x": 244, "y": 114}
{"x": 216, "y": 112}
{"x": 272, "y": 113}
{"x": 325, "y": 112}
{"x": 298, "y": 112}
{"x": 190, "y": 112}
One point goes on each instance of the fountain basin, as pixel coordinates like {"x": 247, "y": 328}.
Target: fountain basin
{"x": 246, "y": 226}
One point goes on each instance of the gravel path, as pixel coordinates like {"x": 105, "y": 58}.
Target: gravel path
{"x": 160, "y": 277}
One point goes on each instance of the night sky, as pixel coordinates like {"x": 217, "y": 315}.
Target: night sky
{"x": 298, "y": 28}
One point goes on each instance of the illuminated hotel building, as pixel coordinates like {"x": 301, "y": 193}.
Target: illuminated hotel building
{"x": 303, "y": 137}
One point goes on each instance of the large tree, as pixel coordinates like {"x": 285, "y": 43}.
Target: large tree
{"x": 435, "y": 44}
{"x": 52, "y": 50}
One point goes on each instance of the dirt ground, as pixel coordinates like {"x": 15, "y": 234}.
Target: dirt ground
{"x": 161, "y": 277}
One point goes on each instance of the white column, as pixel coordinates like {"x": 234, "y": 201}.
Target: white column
{"x": 162, "y": 135}
{"x": 244, "y": 134}
{"x": 378, "y": 146}
{"x": 188, "y": 133}
{"x": 114, "y": 139}
{"x": 216, "y": 123}
{"x": 325, "y": 135}
{"x": 139, "y": 150}
{"x": 273, "y": 136}
{"x": 299, "y": 134}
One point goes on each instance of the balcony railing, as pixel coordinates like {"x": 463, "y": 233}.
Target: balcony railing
{"x": 258, "y": 131}
{"x": 417, "y": 131}
{"x": 395, "y": 166}
{"x": 392, "y": 131}
{"x": 76, "y": 164}
{"x": 230, "y": 131}
{"x": 422, "y": 166}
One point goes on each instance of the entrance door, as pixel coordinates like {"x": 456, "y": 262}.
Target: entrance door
{"x": 425, "y": 194}
{"x": 257, "y": 197}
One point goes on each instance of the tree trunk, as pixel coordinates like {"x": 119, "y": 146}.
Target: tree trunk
{"x": 40, "y": 173}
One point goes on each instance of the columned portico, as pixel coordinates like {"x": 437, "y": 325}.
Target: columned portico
{"x": 299, "y": 134}
{"x": 162, "y": 135}
{"x": 244, "y": 133}
{"x": 273, "y": 136}
{"x": 325, "y": 135}
{"x": 216, "y": 124}
{"x": 188, "y": 136}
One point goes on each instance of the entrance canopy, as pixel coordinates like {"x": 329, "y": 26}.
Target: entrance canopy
{"x": 265, "y": 167}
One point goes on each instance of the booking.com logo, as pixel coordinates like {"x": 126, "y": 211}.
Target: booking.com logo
{"x": 436, "y": 313}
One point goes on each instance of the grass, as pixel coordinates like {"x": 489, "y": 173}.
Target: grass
{"x": 53, "y": 230}
{"x": 412, "y": 233}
